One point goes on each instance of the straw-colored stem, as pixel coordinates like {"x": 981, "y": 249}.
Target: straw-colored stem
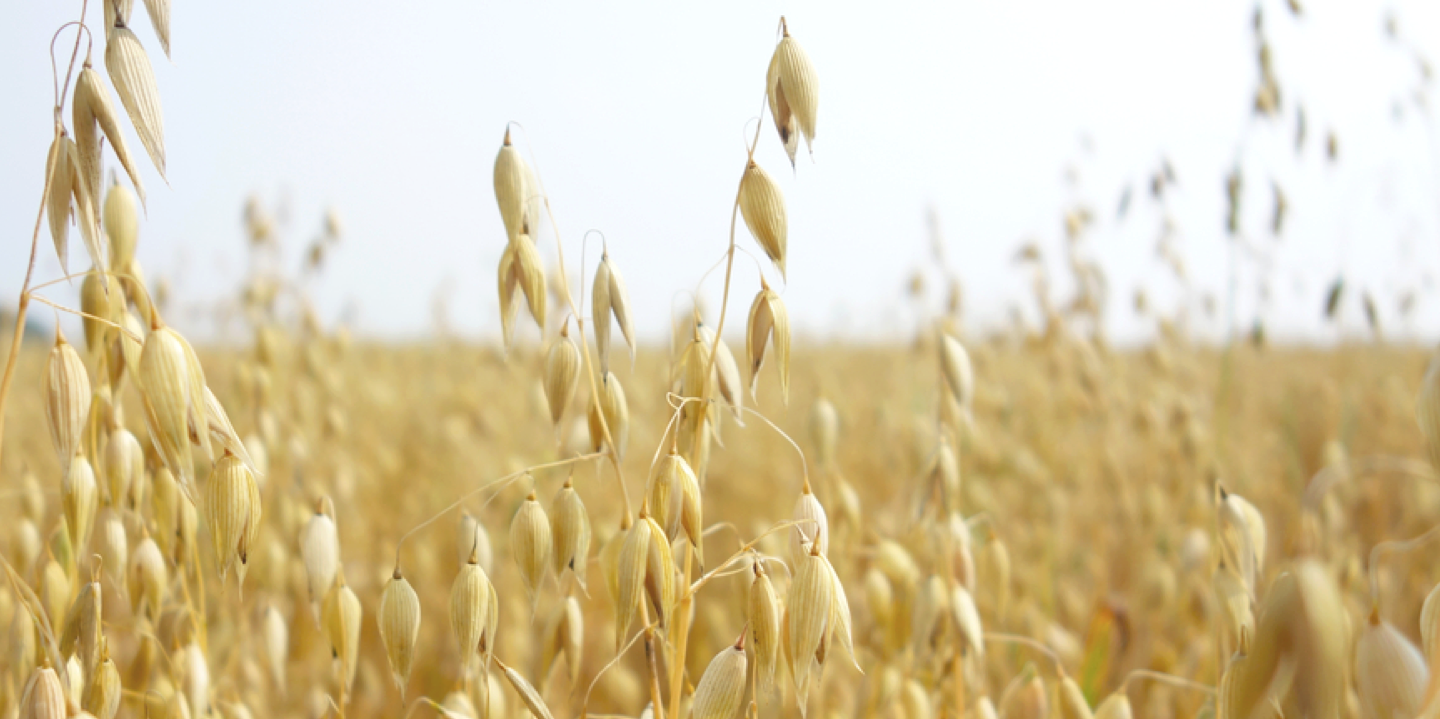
{"x": 1027, "y": 642}
{"x": 1401, "y": 545}
{"x": 1163, "y": 678}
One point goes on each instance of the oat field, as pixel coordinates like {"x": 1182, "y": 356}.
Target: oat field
{"x": 575, "y": 522}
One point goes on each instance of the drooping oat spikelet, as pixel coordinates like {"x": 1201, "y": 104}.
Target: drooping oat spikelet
{"x": 67, "y": 400}
{"x": 967, "y": 619}
{"x": 122, "y": 225}
{"x": 320, "y": 550}
{"x": 341, "y": 624}
{"x": 613, "y": 406}
{"x": 54, "y": 591}
{"x": 929, "y": 612}
{"x": 134, "y": 81}
{"x": 112, "y": 545}
{"x": 159, "y": 12}
{"x": 1235, "y": 601}
{"x": 1071, "y": 701}
{"x": 532, "y": 699}
{"x": 474, "y": 612}
{"x": 1115, "y": 706}
{"x": 166, "y": 382}
{"x": 195, "y": 680}
{"x": 531, "y": 543}
{"x": 659, "y": 572}
{"x": 102, "y": 693}
{"x": 763, "y": 208}
{"x": 81, "y": 497}
{"x": 512, "y": 192}
{"x": 722, "y": 686}
{"x": 793, "y": 90}
{"x": 399, "y": 627}
{"x": 945, "y": 474}
{"x": 812, "y": 528}
{"x": 44, "y": 696}
{"x": 959, "y": 374}
{"x": 765, "y": 615}
{"x": 148, "y": 578}
{"x": 91, "y": 108}
{"x": 108, "y": 304}
{"x": 611, "y": 297}
{"x": 1390, "y": 673}
{"x": 471, "y": 538}
{"x": 570, "y": 532}
{"x": 630, "y": 578}
{"x": 727, "y": 374}
{"x": 229, "y": 507}
{"x": 809, "y": 611}
{"x": 275, "y": 637}
{"x": 840, "y": 618}
{"x": 81, "y": 634}
{"x": 1236, "y": 540}
{"x": 824, "y": 430}
{"x": 61, "y": 171}
{"x": 1024, "y": 697}
{"x": 562, "y": 375}
{"x": 769, "y": 322}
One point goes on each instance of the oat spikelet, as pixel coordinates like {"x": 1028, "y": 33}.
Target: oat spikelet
{"x": 530, "y": 274}
{"x": 97, "y": 300}
{"x": 159, "y": 12}
{"x": 1025, "y": 696}
{"x": 275, "y": 635}
{"x": 793, "y": 89}
{"x": 473, "y": 614}
{"x": 320, "y": 550}
{"x": 616, "y": 411}
{"x": 44, "y": 696}
{"x": 959, "y": 375}
{"x": 813, "y": 527}
{"x": 1115, "y": 706}
{"x": 81, "y": 634}
{"x": 630, "y": 578}
{"x": 1071, "y": 701}
{"x": 92, "y": 107}
{"x": 399, "y": 627}
{"x": 570, "y": 530}
{"x": 122, "y": 225}
{"x": 134, "y": 81}
{"x": 809, "y": 611}
{"x": 67, "y": 400}
{"x": 148, "y": 577}
{"x": 727, "y": 374}
{"x": 562, "y": 376}
{"x": 102, "y": 693}
{"x": 824, "y": 430}
{"x": 61, "y": 172}
{"x": 166, "y": 382}
{"x": 769, "y": 322}
{"x": 763, "y": 208}
{"x": 765, "y": 616}
{"x": 533, "y": 701}
{"x": 611, "y": 298}
{"x": 512, "y": 192}
{"x": 531, "y": 543}
{"x": 722, "y": 686}
{"x": 81, "y": 498}
{"x": 840, "y": 618}
{"x": 341, "y": 623}
{"x": 1390, "y": 672}
{"x": 967, "y": 619}
{"x": 228, "y": 509}
{"x": 509, "y": 285}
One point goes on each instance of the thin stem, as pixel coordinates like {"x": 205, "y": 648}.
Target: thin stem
{"x": 656, "y": 700}
{"x": 804, "y": 466}
{"x": 613, "y": 661}
{"x": 1027, "y": 642}
{"x": 88, "y": 316}
{"x": 1403, "y": 545}
{"x": 488, "y": 485}
{"x": 610, "y": 452}
{"x": 1164, "y": 678}
{"x": 705, "y": 578}
{"x": 19, "y": 336}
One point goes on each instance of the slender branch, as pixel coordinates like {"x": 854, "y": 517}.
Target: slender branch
{"x": 1163, "y": 678}
{"x": 1027, "y": 642}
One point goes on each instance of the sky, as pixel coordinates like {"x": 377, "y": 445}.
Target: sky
{"x": 993, "y": 118}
